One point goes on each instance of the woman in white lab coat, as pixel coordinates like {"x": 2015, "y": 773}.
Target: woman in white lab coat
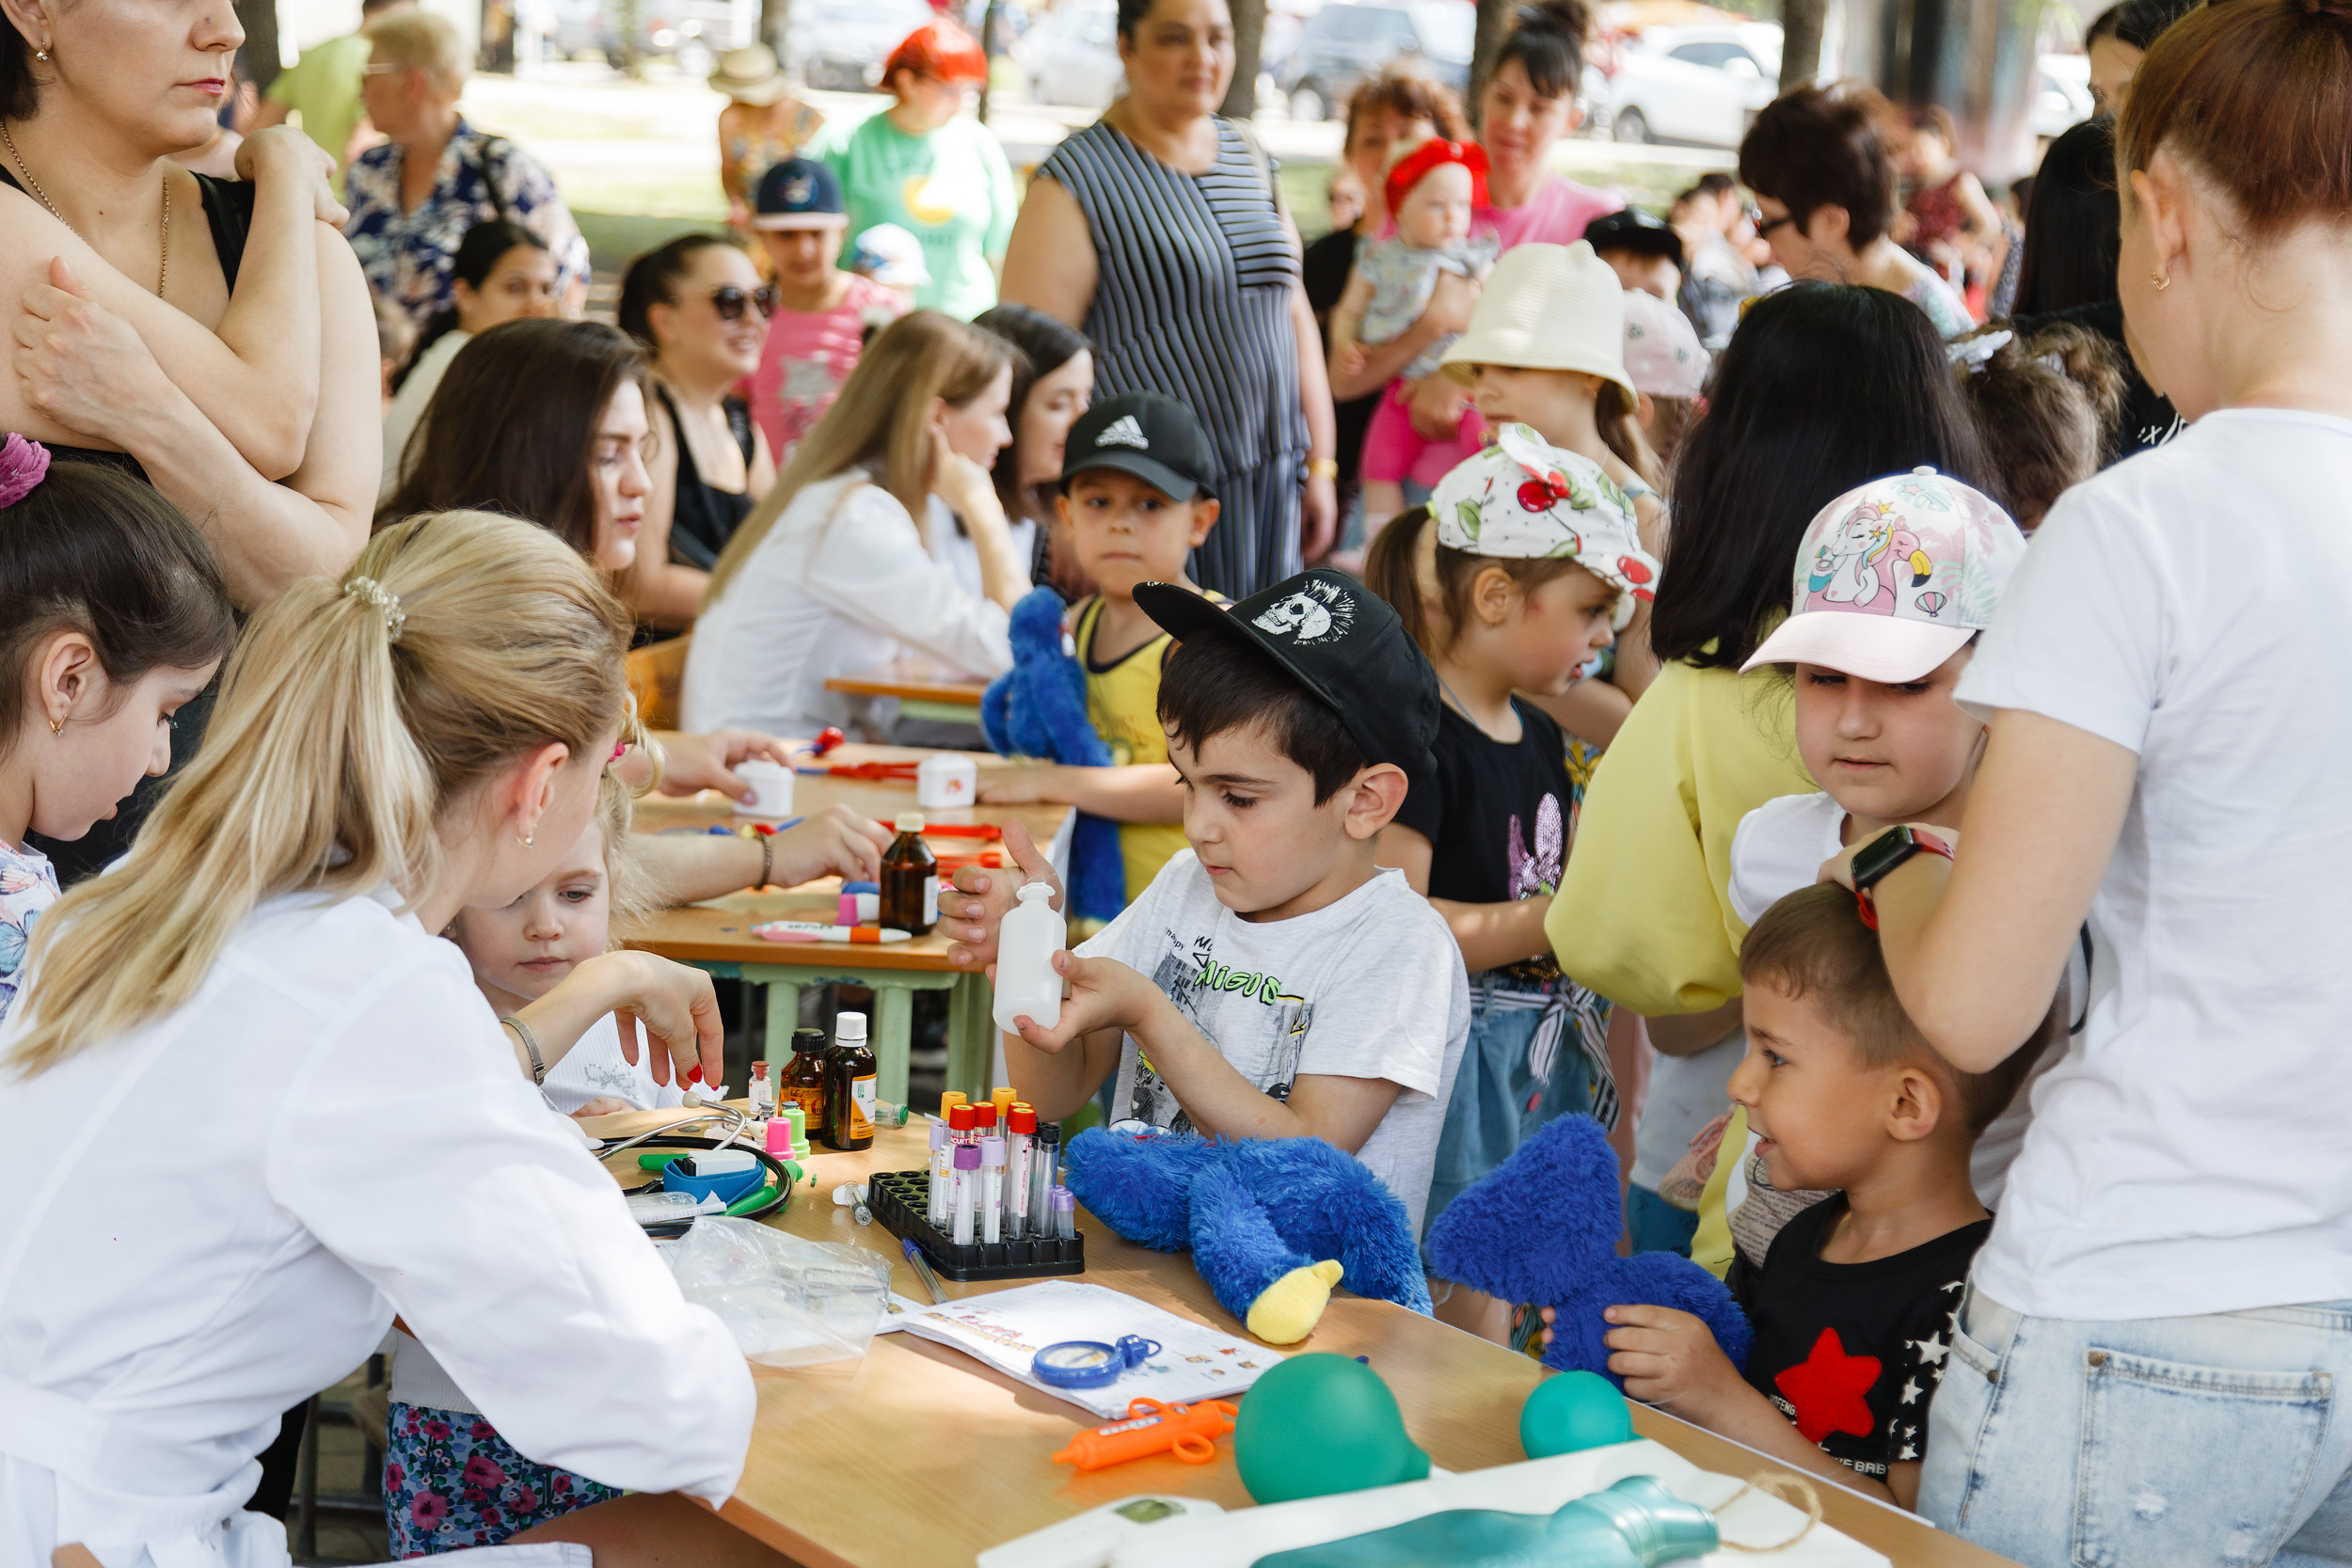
{"x": 256, "y": 1107}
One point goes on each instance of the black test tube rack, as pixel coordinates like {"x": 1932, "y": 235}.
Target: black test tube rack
{"x": 901, "y": 1200}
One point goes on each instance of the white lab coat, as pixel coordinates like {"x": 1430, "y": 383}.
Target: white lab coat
{"x": 841, "y": 582}
{"x": 219, "y": 1214}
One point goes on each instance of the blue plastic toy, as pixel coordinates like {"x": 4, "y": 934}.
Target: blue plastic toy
{"x": 1634, "y": 1524}
{"x": 1272, "y": 1224}
{"x": 1570, "y": 1412}
{"x": 1543, "y": 1227}
{"x": 1037, "y": 709}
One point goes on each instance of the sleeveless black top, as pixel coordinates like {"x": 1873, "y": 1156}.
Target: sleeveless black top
{"x": 705, "y": 517}
{"x": 229, "y": 212}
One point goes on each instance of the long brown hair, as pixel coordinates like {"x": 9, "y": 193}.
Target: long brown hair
{"x": 880, "y": 421}
{"x": 1434, "y": 611}
{"x": 346, "y": 721}
{"x": 513, "y": 426}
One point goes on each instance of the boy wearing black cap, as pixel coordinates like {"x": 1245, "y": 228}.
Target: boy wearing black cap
{"x": 1136, "y": 504}
{"x": 1643, "y": 251}
{"x": 1272, "y": 982}
{"x": 822, "y": 313}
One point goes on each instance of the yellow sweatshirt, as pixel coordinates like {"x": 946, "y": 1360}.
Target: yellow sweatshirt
{"x": 1642, "y": 915}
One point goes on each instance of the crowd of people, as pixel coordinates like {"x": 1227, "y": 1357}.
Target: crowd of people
{"x": 1829, "y": 682}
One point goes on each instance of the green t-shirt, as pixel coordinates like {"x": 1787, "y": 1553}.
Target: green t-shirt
{"x": 323, "y": 88}
{"x": 952, "y": 190}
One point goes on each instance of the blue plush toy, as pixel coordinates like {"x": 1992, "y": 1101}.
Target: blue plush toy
{"x": 1037, "y": 709}
{"x": 1542, "y": 1227}
{"x": 1272, "y": 1224}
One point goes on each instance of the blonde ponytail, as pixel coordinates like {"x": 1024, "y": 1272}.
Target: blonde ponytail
{"x": 351, "y": 714}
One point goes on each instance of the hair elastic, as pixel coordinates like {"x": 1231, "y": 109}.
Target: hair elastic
{"x": 23, "y": 466}
{"x": 1429, "y": 155}
{"x": 385, "y": 601}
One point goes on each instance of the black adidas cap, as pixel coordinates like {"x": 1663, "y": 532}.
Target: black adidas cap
{"x": 1342, "y": 643}
{"x": 1153, "y": 438}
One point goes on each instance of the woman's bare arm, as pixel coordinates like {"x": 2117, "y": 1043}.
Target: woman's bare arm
{"x": 658, "y": 591}
{"x": 1050, "y": 263}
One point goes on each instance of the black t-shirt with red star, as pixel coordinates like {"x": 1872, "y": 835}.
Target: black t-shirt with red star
{"x": 1851, "y": 1352}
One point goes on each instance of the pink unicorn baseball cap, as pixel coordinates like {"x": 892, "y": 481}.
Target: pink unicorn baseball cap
{"x": 1895, "y": 578}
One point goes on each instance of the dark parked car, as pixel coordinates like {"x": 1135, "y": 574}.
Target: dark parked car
{"x": 1348, "y": 41}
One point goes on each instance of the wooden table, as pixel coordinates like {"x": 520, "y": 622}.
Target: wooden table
{"x": 717, "y": 935}
{"x": 920, "y": 1456}
{"x": 924, "y": 689}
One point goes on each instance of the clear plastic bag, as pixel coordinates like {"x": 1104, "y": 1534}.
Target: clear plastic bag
{"x": 788, "y": 1302}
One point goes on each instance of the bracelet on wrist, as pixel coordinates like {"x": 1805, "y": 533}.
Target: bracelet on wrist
{"x": 1324, "y": 468}
{"x": 766, "y": 859}
{"x": 530, "y": 1045}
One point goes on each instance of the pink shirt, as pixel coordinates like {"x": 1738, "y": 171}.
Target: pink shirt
{"x": 1555, "y": 214}
{"x": 806, "y": 357}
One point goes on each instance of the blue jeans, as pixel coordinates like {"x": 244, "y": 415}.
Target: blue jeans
{"x": 2204, "y": 1442}
{"x": 1653, "y": 1225}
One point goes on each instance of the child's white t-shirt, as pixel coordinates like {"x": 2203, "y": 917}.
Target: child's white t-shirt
{"x": 594, "y": 1069}
{"x": 1779, "y": 849}
{"x": 1368, "y": 987}
{"x": 2193, "y": 1152}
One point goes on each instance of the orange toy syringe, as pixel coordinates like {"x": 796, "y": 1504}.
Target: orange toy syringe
{"x": 1188, "y": 1431}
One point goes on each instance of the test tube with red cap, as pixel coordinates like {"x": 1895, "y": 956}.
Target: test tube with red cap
{"x": 1021, "y": 1137}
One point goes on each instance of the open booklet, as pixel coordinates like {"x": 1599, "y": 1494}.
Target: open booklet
{"x": 1007, "y": 1328}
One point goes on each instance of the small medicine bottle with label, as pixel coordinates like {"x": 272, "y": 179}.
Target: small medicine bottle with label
{"x": 850, "y": 1085}
{"x": 909, "y": 879}
{"x": 763, "y": 1093}
{"x": 804, "y": 1079}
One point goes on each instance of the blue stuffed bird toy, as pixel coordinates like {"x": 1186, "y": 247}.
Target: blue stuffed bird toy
{"x": 1037, "y": 709}
{"x": 1272, "y": 1224}
{"x": 1542, "y": 1227}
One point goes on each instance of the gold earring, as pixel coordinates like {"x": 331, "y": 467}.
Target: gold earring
{"x": 57, "y": 726}
{"x": 41, "y": 54}
{"x": 2160, "y": 280}
{"x": 524, "y": 839}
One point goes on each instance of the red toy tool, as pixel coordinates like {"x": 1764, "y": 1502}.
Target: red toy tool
{"x": 961, "y": 829}
{"x": 864, "y": 770}
{"x": 1187, "y": 1431}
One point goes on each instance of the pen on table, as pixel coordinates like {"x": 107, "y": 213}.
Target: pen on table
{"x": 804, "y": 930}
{"x": 930, "y": 1280}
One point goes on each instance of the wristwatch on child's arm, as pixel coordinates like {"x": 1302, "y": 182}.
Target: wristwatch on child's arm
{"x": 1877, "y": 859}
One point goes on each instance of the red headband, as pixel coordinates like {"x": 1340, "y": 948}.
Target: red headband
{"x": 1429, "y": 155}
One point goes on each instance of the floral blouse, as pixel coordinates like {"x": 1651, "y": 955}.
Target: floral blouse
{"x": 407, "y": 255}
{"x": 28, "y": 886}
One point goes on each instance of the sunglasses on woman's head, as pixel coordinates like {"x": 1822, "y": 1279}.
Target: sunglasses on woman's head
{"x": 730, "y": 301}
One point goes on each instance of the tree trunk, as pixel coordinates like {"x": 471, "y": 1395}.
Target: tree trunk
{"x": 1494, "y": 26}
{"x": 1801, "y": 22}
{"x": 775, "y": 20}
{"x": 260, "y": 20}
{"x": 987, "y": 51}
{"x": 1241, "y": 99}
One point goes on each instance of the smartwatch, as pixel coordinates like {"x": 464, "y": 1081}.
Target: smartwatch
{"x": 1875, "y": 861}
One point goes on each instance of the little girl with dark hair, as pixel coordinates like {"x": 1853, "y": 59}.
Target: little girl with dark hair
{"x": 112, "y": 615}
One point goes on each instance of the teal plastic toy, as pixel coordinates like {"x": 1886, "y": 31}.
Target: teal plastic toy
{"x": 1573, "y": 1411}
{"x": 1319, "y": 1424}
{"x": 1634, "y": 1524}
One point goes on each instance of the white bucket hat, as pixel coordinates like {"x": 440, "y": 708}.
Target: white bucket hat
{"x": 751, "y": 75}
{"x": 1547, "y": 307}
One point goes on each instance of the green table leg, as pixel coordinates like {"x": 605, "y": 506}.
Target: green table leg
{"x": 783, "y": 1016}
{"x": 971, "y": 1036}
{"x": 894, "y": 1029}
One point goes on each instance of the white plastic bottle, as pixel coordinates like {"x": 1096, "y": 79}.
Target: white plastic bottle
{"x": 1027, "y": 985}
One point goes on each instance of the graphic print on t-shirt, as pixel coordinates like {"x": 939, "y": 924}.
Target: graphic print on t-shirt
{"x": 1828, "y": 1390}
{"x": 1184, "y": 974}
{"x": 1538, "y": 873}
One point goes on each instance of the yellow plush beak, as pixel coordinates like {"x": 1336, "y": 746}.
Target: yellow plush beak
{"x": 1287, "y": 1310}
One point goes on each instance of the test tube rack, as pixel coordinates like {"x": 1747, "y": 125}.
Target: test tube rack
{"x": 901, "y": 1200}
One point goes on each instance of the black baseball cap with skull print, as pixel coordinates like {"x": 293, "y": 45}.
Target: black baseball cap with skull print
{"x": 1338, "y": 639}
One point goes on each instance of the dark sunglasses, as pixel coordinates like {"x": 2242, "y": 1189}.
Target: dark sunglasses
{"x": 1764, "y": 229}
{"x": 730, "y": 301}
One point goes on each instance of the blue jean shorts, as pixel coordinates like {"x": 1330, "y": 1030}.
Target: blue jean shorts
{"x": 1506, "y": 1086}
{"x": 2202, "y": 1441}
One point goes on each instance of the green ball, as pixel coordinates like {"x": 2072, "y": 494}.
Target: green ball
{"x": 1570, "y": 1411}
{"x": 1319, "y": 1424}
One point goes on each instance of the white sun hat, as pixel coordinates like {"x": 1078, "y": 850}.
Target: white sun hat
{"x": 1547, "y": 307}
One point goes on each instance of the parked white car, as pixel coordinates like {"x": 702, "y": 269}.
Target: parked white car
{"x": 2061, "y": 98}
{"x": 1700, "y": 86}
{"x": 1071, "y": 56}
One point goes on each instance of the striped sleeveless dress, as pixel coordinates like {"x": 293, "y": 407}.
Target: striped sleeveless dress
{"x": 1194, "y": 302}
